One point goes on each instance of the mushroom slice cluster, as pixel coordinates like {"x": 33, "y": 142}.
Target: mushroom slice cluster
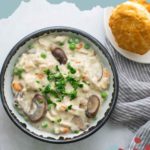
{"x": 38, "y": 108}
{"x": 92, "y": 106}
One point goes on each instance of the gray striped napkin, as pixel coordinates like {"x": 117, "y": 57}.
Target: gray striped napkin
{"x": 143, "y": 134}
{"x": 133, "y": 106}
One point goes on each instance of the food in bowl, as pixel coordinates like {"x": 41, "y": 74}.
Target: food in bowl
{"x": 60, "y": 84}
{"x": 130, "y": 25}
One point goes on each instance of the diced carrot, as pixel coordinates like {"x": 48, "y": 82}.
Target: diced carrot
{"x": 79, "y": 46}
{"x": 106, "y": 73}
{"x": 85, "y": 77}
{"x": 77, "y": 62}
{"x": 62, "y": 108}
{"x": 65, "y": 130}
{"x": 39, "y": 75}
{"x": 17, "y": 86}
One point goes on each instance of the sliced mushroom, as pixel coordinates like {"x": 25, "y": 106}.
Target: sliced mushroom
{"x": 92, "y": 106}
{"x": 38, "y": 108}
{"x": 78, "y": 121}
{"x": 60, "y": 55}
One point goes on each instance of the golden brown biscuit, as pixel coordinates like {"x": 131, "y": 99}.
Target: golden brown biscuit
{"x": 130, "y": 25}
{"x": 142, "y": 2}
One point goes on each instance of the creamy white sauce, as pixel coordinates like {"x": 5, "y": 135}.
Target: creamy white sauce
{"x": 88, "y": 68}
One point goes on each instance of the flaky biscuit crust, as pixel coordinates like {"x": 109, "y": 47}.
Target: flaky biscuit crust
{"x": 131, "y": 27}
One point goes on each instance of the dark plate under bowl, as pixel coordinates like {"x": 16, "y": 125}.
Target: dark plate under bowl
{"x": 6, "y": 78}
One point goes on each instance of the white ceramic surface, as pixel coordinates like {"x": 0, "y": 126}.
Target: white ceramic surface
{"x": 145, "y": 59}
{"x": 110, "y": 137}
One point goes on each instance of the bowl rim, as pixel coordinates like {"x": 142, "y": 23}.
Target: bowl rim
{"x": 41, "y": 32}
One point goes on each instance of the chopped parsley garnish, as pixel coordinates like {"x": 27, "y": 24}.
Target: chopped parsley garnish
{"x": 18, "y": 72}
{"x": 49, "y": 101}
{"x": 87, "y": 46}
{"x": 76, "y": 131}
{"x": 54, "y": 93}
{"x": 71, "y": 69}
{"x": 30, "y": 46}
{"x": 51, "y": 105}
{"x": 75, "y": 83}
{"x": 47, "y": 89}
{"x": 59, "y": 120}
{"x": 43, "y": 55}
{"x": 60, "y": 85}
{"x": 58, "y": 76}
{"x": 72, "y": 94}
{"x": 47, "y": 72}
{"x": 57, "y": 68}
{"x": 60, "y": 43}
{"x": 59, "y": 100}
{"x": 37, "y": 81}
{"x": 59, "y": 82}
{"x": 69, "y": 108}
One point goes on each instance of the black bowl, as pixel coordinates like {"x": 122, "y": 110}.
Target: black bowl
{"x": 6, "y": 76}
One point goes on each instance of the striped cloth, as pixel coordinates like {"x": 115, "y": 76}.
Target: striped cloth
{"x": 133, "y": 106}
{"x": 143, "y": 134}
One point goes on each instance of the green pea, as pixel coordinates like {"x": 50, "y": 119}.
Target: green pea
{"x": 43, "y": 55}
{"x": 87, "y": 46}
{"x": 44, "y": 124}
{"x": 104, "y": 95}
{"x": 70, "y": 40}
{"x": 76, "y": 40}
{"x": 72, "y": 46}
{"x": 18, "y": 72}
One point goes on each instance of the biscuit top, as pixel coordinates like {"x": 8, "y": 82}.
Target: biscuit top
{"x": 130, "y": 25}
